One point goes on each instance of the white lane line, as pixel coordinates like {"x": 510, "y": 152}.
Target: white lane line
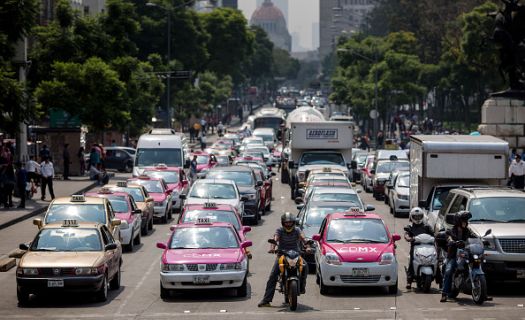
{"x": 142, "y": 280}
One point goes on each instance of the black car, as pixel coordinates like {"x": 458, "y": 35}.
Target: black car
{"x": 119, "y": 158}
{"x": 248, "y": 186}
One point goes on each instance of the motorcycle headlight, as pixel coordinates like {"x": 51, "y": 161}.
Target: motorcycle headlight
{"x": 332, "y": 258}
{"x": 167, "y": 267}
{"x": 292, "y": 262}
{"x": 387, "y": 258}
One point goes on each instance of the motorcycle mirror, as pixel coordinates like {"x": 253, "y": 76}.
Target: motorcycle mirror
{"x": 406, "y": 228}
{"x": 489, "y": 231}
{"x": 272, "y": 241}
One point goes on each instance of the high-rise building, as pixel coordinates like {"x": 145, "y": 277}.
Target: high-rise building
{"x": 338, "y": 17}
{"x": 85, "y": 7}
{"x": 271, "y": 19}
{"x": 315, "y": 35}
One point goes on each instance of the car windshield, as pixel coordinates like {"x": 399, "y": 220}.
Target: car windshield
{"x": 322, "y": 158}
{"x": 151, "y": 157}
{"x": 119, "y": 204}
{"x": 403, "y": 181}
{"x": 136, "y": 193}
{"x": 151, "y": 185}
{"x": 74, "y": 211}
{"x": 389, "y": 166}
{"x": 357, "y": 230}
{"x": 202, "y": 159}
{"x": 168, "y": 176}
{"x": 266, "y": 138}
{"x": 213, "y": 191}
{"x": 213, "y": 216}
{"x": 497, "y": 209}
{"x": 223, "y": 159}
{"x": 241, "y": 178}
{"x": 329, "y": 178}
{"x": 262, "y": 150}
{"x": 67, "y": 239}
{"x": 254, "y": 154}
{"x": 315, "y": 216}
{"x": 204, "y": 238}
{"x": 350, "y": 197}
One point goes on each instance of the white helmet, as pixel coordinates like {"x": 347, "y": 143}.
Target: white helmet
{"x": 416, "y": 215}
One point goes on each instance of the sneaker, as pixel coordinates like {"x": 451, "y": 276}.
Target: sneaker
{"x": 443, "y": 298}
{"x": 264, "y": 304}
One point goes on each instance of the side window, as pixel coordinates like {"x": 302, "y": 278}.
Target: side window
{"x": 133, "y": 204}
{"x": 109, "y": 208}
{"x": 445, "y": 206}
{"x": 109, "y": 236}
{"x": 105, "y": 234}
{"x": 323, "y": 226}
{"x": 459, "y": 204}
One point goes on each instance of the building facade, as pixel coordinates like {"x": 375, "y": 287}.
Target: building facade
{"x": 271, "y": 19}
{"x": 339, "y": 17}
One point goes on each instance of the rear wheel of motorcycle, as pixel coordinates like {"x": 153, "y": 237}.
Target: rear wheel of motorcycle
{"x": 479, "y": 289}
{"x": 427, "y": 282}
{"x": 293, "y": 291}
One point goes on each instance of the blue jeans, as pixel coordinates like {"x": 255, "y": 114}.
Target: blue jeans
{"x": 450, "y": 268}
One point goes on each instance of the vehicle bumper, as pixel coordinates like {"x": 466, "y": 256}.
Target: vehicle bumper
{"x": 159, "y": 211}
{"x": 504, "y": 270}
{"x": 71, "y": 284}
{"x": 401, "y": 206}
{"x": 184, "y": 280}
{"x": 341, "y": 276}
{"x": 250, "y": 209}
{"x": 378, "y": 188}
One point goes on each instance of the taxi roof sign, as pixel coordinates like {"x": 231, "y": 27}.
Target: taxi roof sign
{"x": 203, "y": 220}
{"x": 78, "y": 198}
{"x": 105, "y": 190}
{"x": 355, "y": 211}
{"x": 210, "y": 205}
{"x": 144, "y": 177}
{"x": 70, "y": 223}
{"x": 122, "y": 184}
{"x": 327, "y": 169}
{"x": 161, "y": 166}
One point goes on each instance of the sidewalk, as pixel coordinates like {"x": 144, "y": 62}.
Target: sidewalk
{"x": 35, "y": 206}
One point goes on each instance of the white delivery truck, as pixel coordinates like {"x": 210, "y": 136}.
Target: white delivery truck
{"x": 439, "y": 163}
{"x": 158, "y": 147}
{"x": 317, "y": 145}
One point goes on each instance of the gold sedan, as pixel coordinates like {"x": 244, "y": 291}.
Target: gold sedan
{"x": 70, "y": 256}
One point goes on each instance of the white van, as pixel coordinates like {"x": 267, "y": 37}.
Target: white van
{"x": 268, "y": 136}
{"x": 153, "y": 149}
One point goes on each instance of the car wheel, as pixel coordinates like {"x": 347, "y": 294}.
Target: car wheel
{"x": 164, "y": 293}
{"x": 392, "y": 289}
{"x": 115, "y": 282}
{"x": 144, "y": 229}
{"x": 137, "y": 239}
{"x": 242, "y": 291}
{"x": 169, "y": 213}
{"x": 102, "y": 293}
{"x": 131, "y": 245}
{"x": 164, "y": 218}
{"x": 323, "y": 289}
{"x": 22, "y": 295}
{"x": 150, "y": 224}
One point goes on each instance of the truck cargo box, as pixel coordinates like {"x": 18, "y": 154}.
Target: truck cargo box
{"x": 321, "y": 135}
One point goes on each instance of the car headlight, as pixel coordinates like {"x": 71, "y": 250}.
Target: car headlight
{"x": 387, "y": 258}
{"x": 251, "y": 196}
{"x": 234, "y": 266}
{"x": 489, "y": 244}
{"x": 332, "y": 258}
{"x": 86, "y": 271}
{"x": 167, "y": 267}
{"x": 27, "y": 271}
{"x": 403, "y": 197}
{"x": 124, "y": 225}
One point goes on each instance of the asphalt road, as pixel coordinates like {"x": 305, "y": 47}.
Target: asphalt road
{"x": 139, "y": 296}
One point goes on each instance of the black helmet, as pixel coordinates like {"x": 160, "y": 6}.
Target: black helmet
{"x": 287, "y": 217}
{"x": 462, "y": 216}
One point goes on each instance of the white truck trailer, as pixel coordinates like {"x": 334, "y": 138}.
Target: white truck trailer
{"x": 439, "y": 163}
{"x": 320, "y": 144}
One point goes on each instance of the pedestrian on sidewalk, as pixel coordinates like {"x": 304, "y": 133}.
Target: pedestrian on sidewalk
{"x": 99, "y": 174}
{"x": 81, "y": 160}
{"x": 517, "y": 172}
{"x": 67, "y": 161}
{"x": 33, "y": 171}
{"x": 21, "y": 182}
{"x": 48, "y": 173}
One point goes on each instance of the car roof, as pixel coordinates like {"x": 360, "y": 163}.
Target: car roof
{"x": 99, "y": 193}
{"x": 336, "y": 190}
{"x": 486, "y": 192}
{"x": 319, "y": 204}
{"x": 201, "y": 206}
{"x": 214, "y": 181}
{"x": 88, "y": 200}
{"x": 232, "y": 169}
{"x": 144, "y": 178}
{"x": 349, "y": 215}
{"x": 202, "y": 225}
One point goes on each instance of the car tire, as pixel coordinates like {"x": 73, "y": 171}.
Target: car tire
{"x": 169, "y": 214}
{"x": 164, "y": 293}
{"x": 392, "y": 289}
{"x": 131, "y": 245}
{"x": 323, "y": 289}
{"x": 242, "y": 291}
{"x": 22, "y": 295}
{"x": 137, "y": 239}
{"x": 144, "y": 230}
{"x": 164, "y": 218}
{"x": 115, "y": 282}
{"x": 102, "y": 293}
{"x": 150, "y": 224}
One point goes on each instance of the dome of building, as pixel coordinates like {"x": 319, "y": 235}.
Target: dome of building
{"x": 268, "y": 12}
{"x": 271, "y": 19}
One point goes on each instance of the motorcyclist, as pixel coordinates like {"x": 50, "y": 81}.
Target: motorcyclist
{"x": 288, "y": 237}
{"x": 456, "y": 238}
{"x": 418, "y": 226}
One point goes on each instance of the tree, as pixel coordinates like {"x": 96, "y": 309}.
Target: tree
{"x": 258, "y": 67}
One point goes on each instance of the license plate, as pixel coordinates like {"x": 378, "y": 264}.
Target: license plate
{"x": 55, "y": 283}
{"x": 520, "y": 274}
{"x": 360, "y": 272}
{"x": 201, "y": 279}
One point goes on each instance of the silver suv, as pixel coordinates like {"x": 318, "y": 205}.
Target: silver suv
{"x": 497, "y": 208}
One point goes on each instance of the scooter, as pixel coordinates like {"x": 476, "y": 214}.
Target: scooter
{"x": 425, "y": 262}
{"x": 469, "y": 277}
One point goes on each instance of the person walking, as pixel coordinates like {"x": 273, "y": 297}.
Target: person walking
{"x": 193, "y": 168}
{"x": 517, "y": 172}
{"x": 81, "y": 160}
{"x": 203, "y": 141}
{"x": 21, "y": 182}
{"x": 48, "y": 172}
{"x": 67, "y": 161}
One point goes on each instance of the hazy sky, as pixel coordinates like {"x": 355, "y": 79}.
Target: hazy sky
{"x": 301, "y": 15}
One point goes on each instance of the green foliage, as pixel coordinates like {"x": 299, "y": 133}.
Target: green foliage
{"x": 258, "y": 67}
{"x": 284, "y": 65}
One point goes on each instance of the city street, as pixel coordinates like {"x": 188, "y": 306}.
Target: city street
{"x": 139, "y": 298}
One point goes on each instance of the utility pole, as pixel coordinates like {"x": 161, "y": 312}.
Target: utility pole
{"x": 21, "y": 135}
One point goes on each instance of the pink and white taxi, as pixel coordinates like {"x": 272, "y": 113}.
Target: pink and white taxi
{"x": 355, "y": 249}
{"x": 203, "y": 163}
{"x": 175, "y": 179}
{"x": 203, "y": 255}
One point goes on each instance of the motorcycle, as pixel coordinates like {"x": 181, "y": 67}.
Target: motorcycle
{"x": 290, "y": 266}
{"x": 469, "y": 277}
{"x": 425, "y": 262}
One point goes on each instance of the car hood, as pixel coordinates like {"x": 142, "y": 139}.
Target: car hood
{"x": 359, "y": 252}
{"x": 232, "y": 202}
{"x": 403, "y": 191}
{"x": 202, "y": 166}
{"x": 499, "y": 230}
{"x": 157, "y": 197}
{"x": 33, "y": 259}
{"x": 202, "y": 256}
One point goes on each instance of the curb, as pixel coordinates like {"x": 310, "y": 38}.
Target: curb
{"x": 40, "y": 210}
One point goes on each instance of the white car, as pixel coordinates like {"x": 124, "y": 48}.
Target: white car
{"x": 399, "y": 194}
{"x": 267, "y": 157}
{"x": 220, "y": 191}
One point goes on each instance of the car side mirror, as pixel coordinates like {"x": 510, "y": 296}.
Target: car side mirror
{"x": 316, "y": 237}
{"x": 111, "y": 246}
{"x": 38, "y": 222}
{"x": 246, "y": 229}
{"x": 162, "y": 245}
{"x": 396, "y": 237}
{"x": 23, "y": 246}
{"x": 449, "y": 218}
{"x": 246, "y": 244}
{"x": 116, "y": 222}
{"x": 369, "y": 207}
{"x": 259, "y": 183}
{"x": 137, "y": 211}
{"x": 182, "y": 196}
{"x": 422, "y": 203}
{"x": 489, "y": 231}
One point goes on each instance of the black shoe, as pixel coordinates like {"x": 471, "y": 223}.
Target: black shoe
{"x": 443, "y": 298}
{"x": 21, "y": 207}
{"x": 264, "y": 304}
